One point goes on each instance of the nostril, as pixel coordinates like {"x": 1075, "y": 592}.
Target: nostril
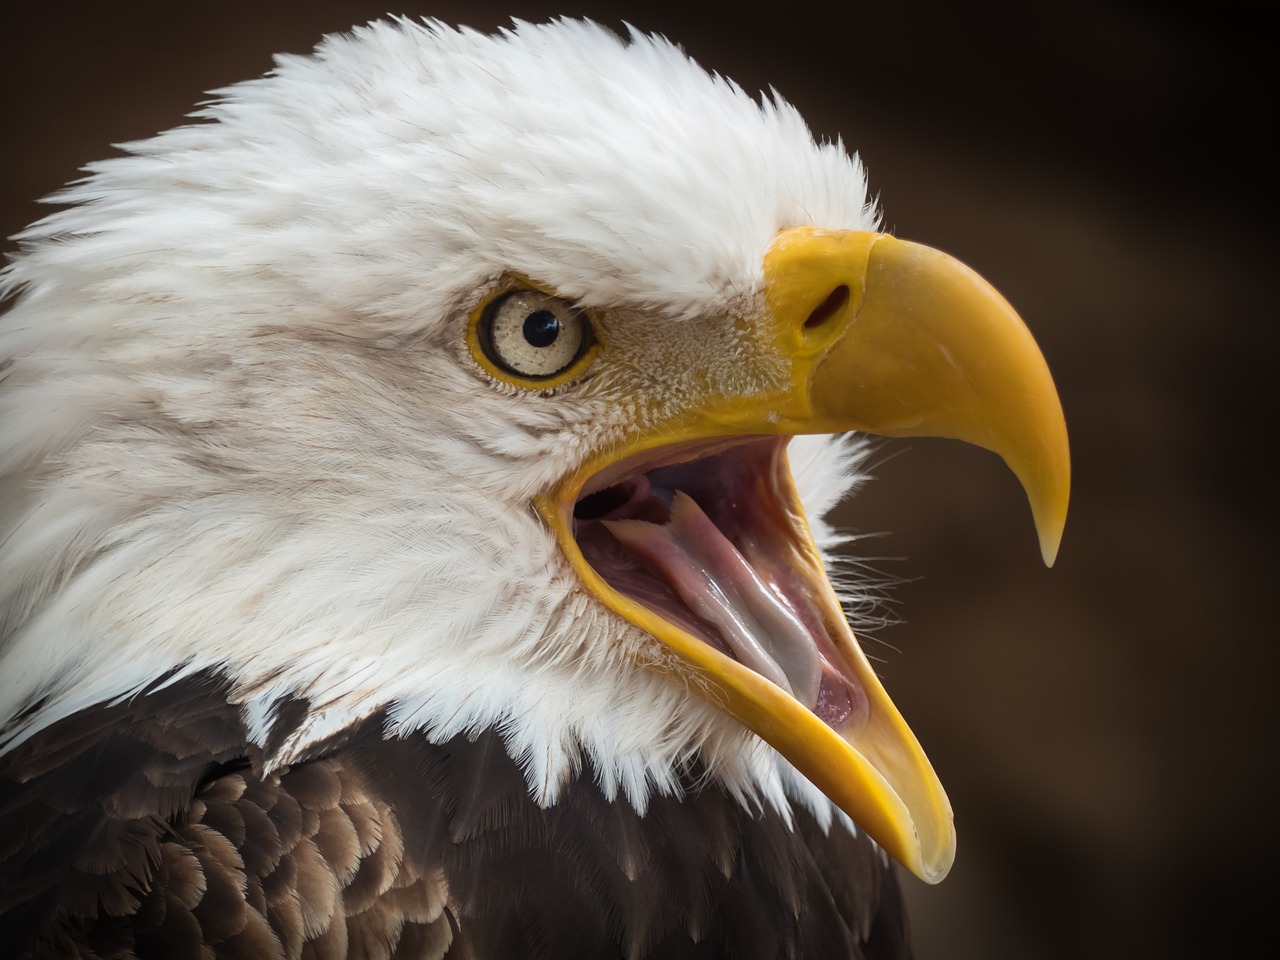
{"x": 828, "y": 308}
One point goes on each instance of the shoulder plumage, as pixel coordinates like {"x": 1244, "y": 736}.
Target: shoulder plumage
{"x": 372, "y": 845}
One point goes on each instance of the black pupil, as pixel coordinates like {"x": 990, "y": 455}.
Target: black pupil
{"x": 541, "y": 328}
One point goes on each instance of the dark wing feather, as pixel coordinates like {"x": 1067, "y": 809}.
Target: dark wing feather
{"x": 142, "y": 829}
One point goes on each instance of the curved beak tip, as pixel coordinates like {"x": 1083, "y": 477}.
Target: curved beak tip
{"x": 1049, "y": 545}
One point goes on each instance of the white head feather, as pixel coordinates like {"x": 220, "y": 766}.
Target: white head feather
{"x": 239, "y": 431}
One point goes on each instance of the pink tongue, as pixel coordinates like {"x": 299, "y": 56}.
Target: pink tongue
{"x": 716, "y": 583}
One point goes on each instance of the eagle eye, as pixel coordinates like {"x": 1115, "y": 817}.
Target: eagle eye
{"x": 532, "y": 335}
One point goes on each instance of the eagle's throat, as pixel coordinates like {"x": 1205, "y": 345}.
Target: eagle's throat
{"x": 709, "y": 545}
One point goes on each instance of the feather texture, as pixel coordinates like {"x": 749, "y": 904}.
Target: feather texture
{"x": 236, "y": 434}
{"x": 149, "y": 830}
{"x": 292, "y": 666}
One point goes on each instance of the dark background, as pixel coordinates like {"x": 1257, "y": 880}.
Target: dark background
{"x": 1104, "y": 728}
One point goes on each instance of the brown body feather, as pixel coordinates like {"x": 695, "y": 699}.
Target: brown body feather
{"x": 145, "y": 829}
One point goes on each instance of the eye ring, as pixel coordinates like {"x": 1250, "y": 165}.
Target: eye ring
{"x": 531, "y": 338}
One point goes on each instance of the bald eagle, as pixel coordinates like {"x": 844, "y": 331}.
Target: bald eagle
{"x": 411, "y": 532}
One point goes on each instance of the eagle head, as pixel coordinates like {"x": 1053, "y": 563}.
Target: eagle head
{"x": 489, "y": 382}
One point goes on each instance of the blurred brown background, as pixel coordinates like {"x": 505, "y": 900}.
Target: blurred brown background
{"x": 1105, "y": 728}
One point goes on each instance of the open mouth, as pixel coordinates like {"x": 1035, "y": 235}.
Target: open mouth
{"x": 711, "y": 538}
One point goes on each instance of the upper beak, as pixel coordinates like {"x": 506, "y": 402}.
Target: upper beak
{"x": 901, "y": 340}
{"x": 885, "y": 337}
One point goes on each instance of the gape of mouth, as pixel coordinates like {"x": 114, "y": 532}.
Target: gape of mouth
{"x": 711, "y": 539}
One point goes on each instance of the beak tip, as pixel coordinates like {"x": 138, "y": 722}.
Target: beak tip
{"x": 935, "y": 875}
{"x": 939, "y": 865}
{"x": 1051, "y": 521}
{"x": 1049, "y": 549}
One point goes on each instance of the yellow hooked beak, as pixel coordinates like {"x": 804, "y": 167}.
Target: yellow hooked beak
{"x": 913, "y": 343}
{"x": 881, "y": 336}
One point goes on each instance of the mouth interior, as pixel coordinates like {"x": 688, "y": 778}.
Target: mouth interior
{"x": 713, "y": 544}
